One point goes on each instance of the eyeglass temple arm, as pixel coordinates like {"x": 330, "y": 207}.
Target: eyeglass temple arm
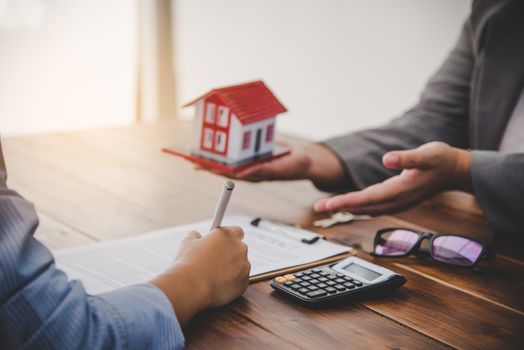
{"x": 489, "y": 254}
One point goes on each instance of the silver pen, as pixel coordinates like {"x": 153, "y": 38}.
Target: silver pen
{"x": 222, "y": 204}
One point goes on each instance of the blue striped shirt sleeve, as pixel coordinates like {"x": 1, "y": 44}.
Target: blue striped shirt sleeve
{"x": 41, "y": 309}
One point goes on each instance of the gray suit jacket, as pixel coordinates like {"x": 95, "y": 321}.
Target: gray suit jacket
{"x": 467, "y": 104}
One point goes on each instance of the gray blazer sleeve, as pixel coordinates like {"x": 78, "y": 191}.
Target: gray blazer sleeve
{"x": 498, "y": 185}
{"x": 440, "y": 115}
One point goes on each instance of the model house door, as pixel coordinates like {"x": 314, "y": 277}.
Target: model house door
{"x": 258, "y": 139}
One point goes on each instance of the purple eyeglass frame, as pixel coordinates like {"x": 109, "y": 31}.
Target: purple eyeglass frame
{"x": 484, "y": 253}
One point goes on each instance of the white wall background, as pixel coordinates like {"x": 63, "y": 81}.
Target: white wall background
{"x": 338, "y": 65}
{"x": 67, "y": 64}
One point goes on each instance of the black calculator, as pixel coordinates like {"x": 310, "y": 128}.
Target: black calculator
{"x": 346, "y": 279}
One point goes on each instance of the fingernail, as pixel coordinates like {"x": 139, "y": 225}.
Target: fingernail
{"x": 391, "y": 158}
{"x": 318, "y": 206}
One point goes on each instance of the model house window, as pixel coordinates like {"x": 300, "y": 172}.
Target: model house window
{"x": 220, "y": 141}
{"x": 223, "y": 119}
{"x": 269, "y": 132}
{"x": 210, "y": 113}
{"x": 208, "y": 138}
{"x": 246, "y": 140}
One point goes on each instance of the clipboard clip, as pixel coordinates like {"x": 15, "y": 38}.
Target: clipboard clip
{"x": 292, "y": 232}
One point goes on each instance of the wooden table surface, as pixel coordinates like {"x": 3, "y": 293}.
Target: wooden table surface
{"x": 102, "y": 184}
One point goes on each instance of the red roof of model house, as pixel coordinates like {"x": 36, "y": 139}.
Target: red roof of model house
{"x": 250, "y": 102}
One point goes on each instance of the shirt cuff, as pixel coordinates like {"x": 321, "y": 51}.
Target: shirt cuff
{"x": 148, "y": 317}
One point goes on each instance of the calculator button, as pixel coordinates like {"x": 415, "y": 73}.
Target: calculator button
{"x": 288, "y": 283}
{"x": 317, "y": 294}
{"x": 307, "y": 272}
{"x": 303, "y": 290}
{"x": 297, "y": 280}
{"x": 296, "y": 286}
{"x": 349, "y": 285}
{"x": 280, "y": 279}
{"x": 315, "y": 275}
{"x": 316, "y": 270}
{"x": 314, "y": 281}
{"x": 306, "y": 278}
{"x": 340, "y": 288}
{"x": 305, "y": 284}
{"x": 332, "y": 277}
{"x": 299, "y": 274}
{"x": 324, "y": 273}
{"x": 340, "y": 275}
{"x": 339, "y": 280}
{"x": 347, "y": 278}
{"x": 322, "y": 279}
{"x": 322, "y": 285}
{"x": 312, "y": 287}
{"x": 330, "y": 283}
{"x": 289, "y": 277}
{"x": 330, "y": 290}
{"x": 357, "y": 283}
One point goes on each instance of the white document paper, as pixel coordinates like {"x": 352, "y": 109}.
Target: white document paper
{"x": 108, "y": 265}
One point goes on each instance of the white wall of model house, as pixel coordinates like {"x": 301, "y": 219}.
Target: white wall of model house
{"x": 236, "y": 137}
{"x": 235, "y": 140}
{"x": 197, "y": 125}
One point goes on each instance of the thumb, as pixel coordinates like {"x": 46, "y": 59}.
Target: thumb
{"x": 418, "y": 158}
{"x": 193, "y": 235}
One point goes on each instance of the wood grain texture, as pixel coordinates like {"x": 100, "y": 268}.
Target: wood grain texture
{"x": 56, "y": 235}
{"x": 223, "y": 329}
{"x": 111, "y": 183}
{"x": 500, "y": 280}
{"x": 338, "y": 327}
{"x": 450, "y": 315}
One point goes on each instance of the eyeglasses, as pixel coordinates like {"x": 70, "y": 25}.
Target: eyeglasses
{"x": 446, "y": 248}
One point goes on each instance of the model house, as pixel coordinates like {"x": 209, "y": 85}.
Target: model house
{"x": 235, "y": 124}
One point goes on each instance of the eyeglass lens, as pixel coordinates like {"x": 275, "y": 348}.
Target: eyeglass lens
{"x": 456, "y": 250}
{"x": 396, "y": 242}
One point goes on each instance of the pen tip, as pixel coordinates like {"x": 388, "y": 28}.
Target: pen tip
{"x": 229, "y": 185}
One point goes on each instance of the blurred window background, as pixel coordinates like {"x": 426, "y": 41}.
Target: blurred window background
{"x": 337, "y": 65}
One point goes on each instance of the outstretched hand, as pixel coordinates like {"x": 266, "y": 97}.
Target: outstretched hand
{"x": 429, "y": 169}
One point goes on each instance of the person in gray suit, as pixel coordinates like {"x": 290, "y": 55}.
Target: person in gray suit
{"x": 465, "y": 133}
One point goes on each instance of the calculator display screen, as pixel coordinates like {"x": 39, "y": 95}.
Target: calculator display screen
{"x": 368, "y": 274}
